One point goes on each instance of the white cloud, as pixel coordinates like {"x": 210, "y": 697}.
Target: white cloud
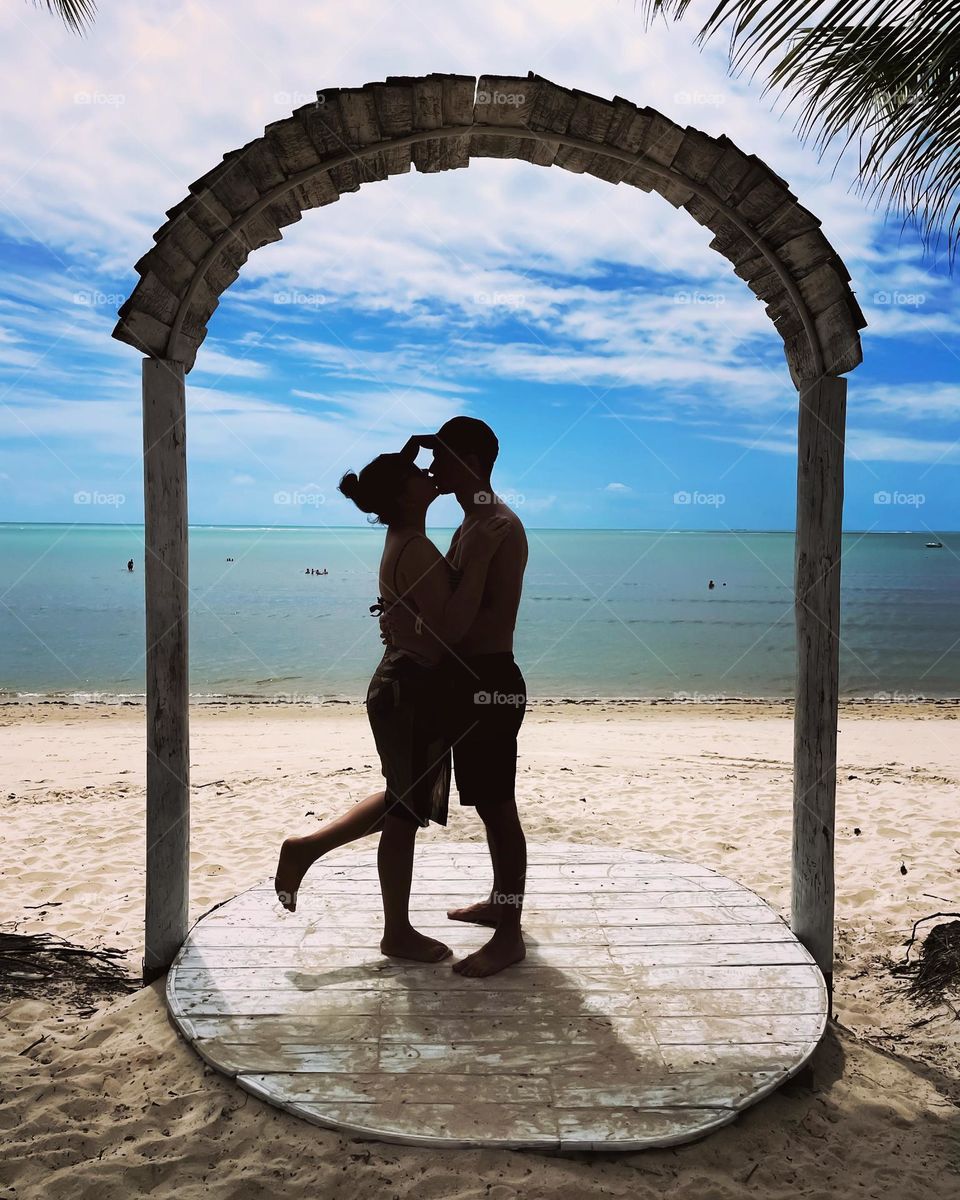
{"x": 864, "y": 445}
{"x": 423, "y": 235}
{"x": 618, "y": 488}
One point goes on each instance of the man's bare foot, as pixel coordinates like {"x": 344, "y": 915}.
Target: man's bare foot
{"x": 296, "y": 858}
{"x": 411, "y": 944}
{"x": 503, "y": 950}
{"x": 483, "y": 913}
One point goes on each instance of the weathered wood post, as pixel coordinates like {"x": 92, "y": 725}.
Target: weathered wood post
{"x": 820, "y": 442}
{"x": 168, "y": 747}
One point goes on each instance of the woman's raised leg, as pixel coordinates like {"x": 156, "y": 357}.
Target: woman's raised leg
{"x": 395, "y": 866}
{"x": 298, "y": 854}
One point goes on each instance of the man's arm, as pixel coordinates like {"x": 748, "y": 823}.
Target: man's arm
{"x": 446, "y": 613}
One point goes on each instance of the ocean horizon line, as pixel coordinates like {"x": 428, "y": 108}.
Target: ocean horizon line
{"x": 533, "y": 528}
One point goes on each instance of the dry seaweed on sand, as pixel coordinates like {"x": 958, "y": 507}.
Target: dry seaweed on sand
{"x": 934, "y": 974}
{"x": 44, "y": 966}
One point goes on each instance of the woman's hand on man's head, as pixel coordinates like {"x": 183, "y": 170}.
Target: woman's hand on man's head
{"x": 416, "y": 443}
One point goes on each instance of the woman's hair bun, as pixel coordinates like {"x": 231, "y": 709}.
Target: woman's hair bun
{"x": 350, "y": 487}
{"x": 379, "y": 485}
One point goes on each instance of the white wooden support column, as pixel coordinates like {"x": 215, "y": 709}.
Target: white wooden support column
{"x": 820, "y": 442}
{"x": 168, "y": 746}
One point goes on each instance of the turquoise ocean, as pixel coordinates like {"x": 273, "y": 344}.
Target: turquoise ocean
{"x": 606, "y": 613}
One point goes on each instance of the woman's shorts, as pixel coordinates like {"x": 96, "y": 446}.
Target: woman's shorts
{"x": 408, "y": 707}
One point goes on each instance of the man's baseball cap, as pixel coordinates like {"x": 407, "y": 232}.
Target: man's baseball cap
{"x": 466, "y": 435}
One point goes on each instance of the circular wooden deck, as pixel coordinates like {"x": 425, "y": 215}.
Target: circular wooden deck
{"x": 657, "y": 1000}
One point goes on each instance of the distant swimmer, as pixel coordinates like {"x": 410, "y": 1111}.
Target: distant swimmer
{"x": 130, "y": 564}
{"x": 711, "y": 584}
{"x": 229, "y": 560}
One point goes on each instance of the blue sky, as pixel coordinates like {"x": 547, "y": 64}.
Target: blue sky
{"x": 621, "y": 361}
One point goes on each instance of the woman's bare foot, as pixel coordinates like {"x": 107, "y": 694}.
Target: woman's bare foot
{"x": 503, "y": 950}
{"x": 297, "y": 855}
{"x": 410, "y": 944}
{"x": 483, "y": 913}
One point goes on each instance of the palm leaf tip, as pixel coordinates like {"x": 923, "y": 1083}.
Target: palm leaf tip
{"x": 75, "y": 14}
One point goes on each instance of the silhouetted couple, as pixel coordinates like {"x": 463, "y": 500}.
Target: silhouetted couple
{"x": 446, "y": 687}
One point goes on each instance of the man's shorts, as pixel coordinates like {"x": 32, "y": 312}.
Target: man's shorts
{"x": 488, "y": 702}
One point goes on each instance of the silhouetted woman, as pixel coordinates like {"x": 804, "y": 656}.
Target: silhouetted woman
{"x": 406, "y": 699}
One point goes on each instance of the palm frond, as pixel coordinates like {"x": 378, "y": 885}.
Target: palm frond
{"x": 884, "y": 74}
{"x": 75, "y": 14}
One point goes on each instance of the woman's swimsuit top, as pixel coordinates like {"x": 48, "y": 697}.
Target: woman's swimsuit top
{"x": 384, "y": 607}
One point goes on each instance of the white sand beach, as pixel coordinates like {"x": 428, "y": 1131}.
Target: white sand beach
{"x": 117, "y": 1104}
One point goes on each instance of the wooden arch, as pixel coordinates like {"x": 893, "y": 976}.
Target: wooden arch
{"x": 353, "y": 136}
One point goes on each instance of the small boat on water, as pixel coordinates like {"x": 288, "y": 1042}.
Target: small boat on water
{"x": 934, "y": 545}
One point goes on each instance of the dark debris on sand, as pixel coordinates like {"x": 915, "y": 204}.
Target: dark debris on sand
{"x": 42, "y": 966}
{"x": 934, "y": 974}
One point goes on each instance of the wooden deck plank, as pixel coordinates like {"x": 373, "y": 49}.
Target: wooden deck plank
{"x": 657, "y": 999}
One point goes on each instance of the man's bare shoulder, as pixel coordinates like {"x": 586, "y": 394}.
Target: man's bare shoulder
{"x": 517, "y": 534}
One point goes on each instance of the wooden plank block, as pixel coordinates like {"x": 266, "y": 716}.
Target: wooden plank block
{"x": 504, "y": 100}
{"x": 590, "y": 120}
{"x": 800, "y": 360}
{"x": 730, "y": 172}
{"x": 229, "y": 182}
{"x": 169, "y": 264}
{"x": 360, "y": 938}
{"x": 764, "y": 200}
{"x": 313, "y": 912}
{"x": 786, "y": 319}
{"x": 705, "y": 1031}
{"x": 738, "y": 897}
{"x": 708, "y": 954}
{"x": 287, "y": 147}
{"x": 490, "y": 1126}
{"x": 513, "y": 1004}
{"x": 302, "y": 1029}
{"x": 838, "y": 337}
{"x": 822, "y": 288}
{"x": 786, "y": 222}
{"x": 288, "y": 1057}
{"x": 699, "y": 1089}
{"x": 630, "y": 1128}
{"x": 480, "y": 868}
{"x": 757, "y": 1056}
{"x": 186, "y": 236}
{"x": 356, "y": 998}
{"x": 264, "y": 169}
{"x": 662, "y": 141}
{"x": 323, "y": 958}
{"x": 325, "y": 128}
{"x": 424, "y": 887}
{"x": 388, "y": 974}
{"x": 481, "y": 871}
{"x": 626, "y": 131}
{"x": 479, "y": 1059}
{"x": 718, "y": 914}
{"x": 364, "y": 1087}
{"x": 394, "y": 104}
{"x": 492, "y": 1025}
{"x": 697, "y": 155}
{"x": 680, "y": 979}
{"x": 738, "y": 933}
{"x": 731, "y": 1002}
{"x": 142, "y": 331}
{"x": 153, "y": 298}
